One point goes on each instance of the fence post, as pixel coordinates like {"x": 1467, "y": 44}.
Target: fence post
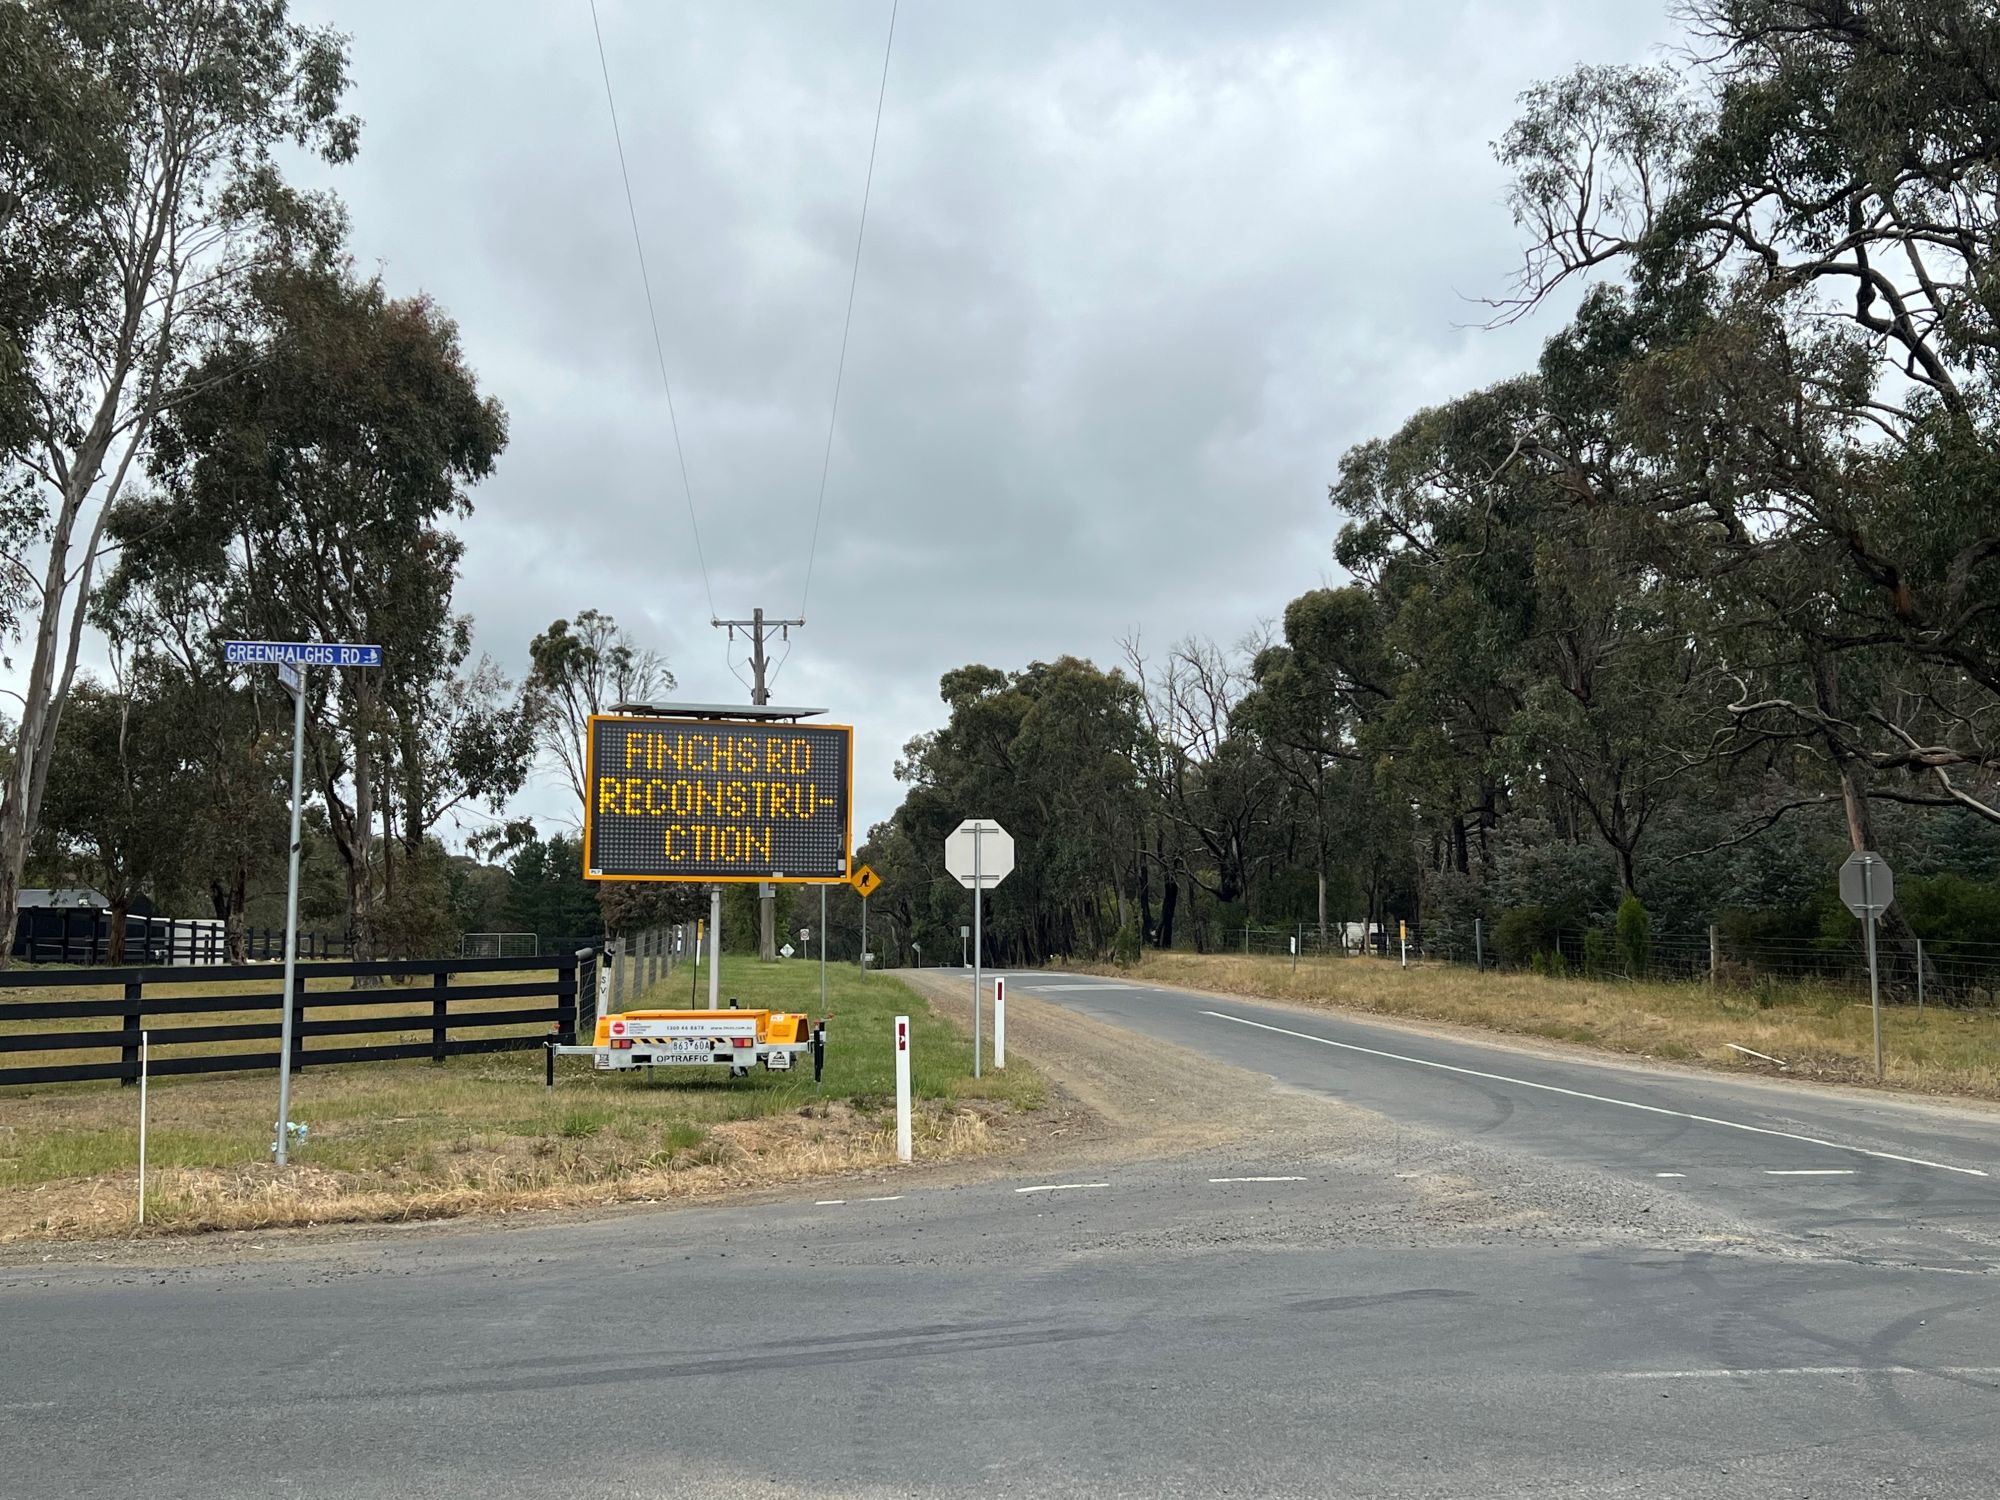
{"x": 128, "y": 1054}
{"x": 1920, "y": 973}
{"x": 440, "y": 1022}
{"x": 568, "y": 968}
{"x": 615, "y": 956}
{"x": 1478, "y": 946}
{"x": 1714, "y": 954}
{"x": 298, "y": 1058}
{"x": 1246, "y": 939}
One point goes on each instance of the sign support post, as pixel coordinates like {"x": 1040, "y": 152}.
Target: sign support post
{"x": 1874, "y": 976}
{"x": 1867, "y": 886}
{"x": 977, "y": 903}
{"x": 822, "y": 948}
{"x": 292, "y": 658}
{"x": 291, "y": 917}
{"x": 978, "y": 853}
{"x": 715, "y": 947}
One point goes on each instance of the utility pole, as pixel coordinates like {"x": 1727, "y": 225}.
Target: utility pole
{"x": 759, "y": 631}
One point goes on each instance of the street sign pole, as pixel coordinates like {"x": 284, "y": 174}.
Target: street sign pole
{"x": 291, "y": 915}
{"x": 864, "y": 934}
{"x": 976, "y": 904}
{"x": 1867, "y": 887}
{"x": 1874, "y": 977}
{"x": 715, "y": 947}
{"x": 822, "y": 949}
{"x": 978, "y": 853}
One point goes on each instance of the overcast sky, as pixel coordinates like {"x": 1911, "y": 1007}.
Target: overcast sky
{"x": 1135, "y": 275}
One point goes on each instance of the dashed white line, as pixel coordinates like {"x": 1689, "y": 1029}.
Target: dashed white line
{"x": 829, "y": 1202}
{"x": 1809, "y": 1172}
{"x": 1061, "y": 1187}
{"x": 1670, "y": 1174}
{"x": 1947, "y": 1370}
{"x": 1256, "y": 1179}
{"x": 1550, "y": 1088}
{"x": 894, "y": 1198}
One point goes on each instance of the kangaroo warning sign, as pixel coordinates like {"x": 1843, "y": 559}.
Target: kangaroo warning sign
{"x": 694, "y": 799}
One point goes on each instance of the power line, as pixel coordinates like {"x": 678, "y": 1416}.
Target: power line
{"x": 853, "y": 280}
{"x": 653, "y": 317}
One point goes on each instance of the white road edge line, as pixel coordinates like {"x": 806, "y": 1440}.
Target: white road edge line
{"x": 1256, "y": 1179}
{"x": 896, "y": 1198}
{"x": 1651, "y": 1109}
{"x": 1809, "y": 1172}
{"x": 1061, "y": 1187}
{"x": 1804, "y": 1370}
{"x": 828, "y": 1202}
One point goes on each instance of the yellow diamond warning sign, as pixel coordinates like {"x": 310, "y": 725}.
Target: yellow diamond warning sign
{"x": 864, "y": 880}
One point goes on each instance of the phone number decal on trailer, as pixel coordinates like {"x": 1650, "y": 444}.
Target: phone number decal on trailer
{"x": 685, "y": 799}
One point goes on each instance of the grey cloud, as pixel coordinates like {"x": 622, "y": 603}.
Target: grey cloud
{"x": 1136, "y": 274}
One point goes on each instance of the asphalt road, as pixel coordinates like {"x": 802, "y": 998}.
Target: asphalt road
{"x": 1846, "y": 1171}
{"x": 1485, "y": 1289}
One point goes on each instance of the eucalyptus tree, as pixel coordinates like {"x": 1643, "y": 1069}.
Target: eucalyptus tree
{"x": 132, "y": 217}
{"x": 306, "y": 483}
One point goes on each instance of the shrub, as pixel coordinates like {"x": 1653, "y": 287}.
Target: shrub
{"x": 1523, "y": 934}
{"x": 1635, "y": 936}
{"x": 1125, "y": 946}
{"x": 1596, "y": 952}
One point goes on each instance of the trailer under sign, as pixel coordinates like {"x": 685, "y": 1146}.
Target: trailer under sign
{"x": 706, "y": 800}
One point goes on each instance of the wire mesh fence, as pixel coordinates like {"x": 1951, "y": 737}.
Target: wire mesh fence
{"x": 1956, "y": 972}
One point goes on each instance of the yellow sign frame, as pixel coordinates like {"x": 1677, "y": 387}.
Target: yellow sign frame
{"x": 846, "y": 731}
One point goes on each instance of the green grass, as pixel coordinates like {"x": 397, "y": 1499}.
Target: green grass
{"x": 398, "y": 1131}
{"x": 860, "y": 1056}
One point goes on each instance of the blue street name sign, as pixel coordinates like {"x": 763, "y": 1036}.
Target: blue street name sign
{"x": 301, "y": 654}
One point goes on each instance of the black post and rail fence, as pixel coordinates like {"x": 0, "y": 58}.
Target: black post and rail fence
{"x": 82, "y": 935}
{"x": 426, "y": 1010}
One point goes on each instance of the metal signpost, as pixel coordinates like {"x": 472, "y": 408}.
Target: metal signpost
{"x": 979, "y": 853}
{"x": 292, "y": 658}
{"x": 1868, "y": 885}
{"x": 865, "y": 881}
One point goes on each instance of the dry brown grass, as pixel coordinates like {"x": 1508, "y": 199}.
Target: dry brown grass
{"x": 490, "y": 1174}
{"x": 413, "y": 1140}
{"x": 1821, "y": 1034}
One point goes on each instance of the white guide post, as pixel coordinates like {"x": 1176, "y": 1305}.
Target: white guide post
{"x": 902, "y": 1088}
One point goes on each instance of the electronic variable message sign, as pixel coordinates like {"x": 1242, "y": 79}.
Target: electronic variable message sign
{"x": 694, "y": 799}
